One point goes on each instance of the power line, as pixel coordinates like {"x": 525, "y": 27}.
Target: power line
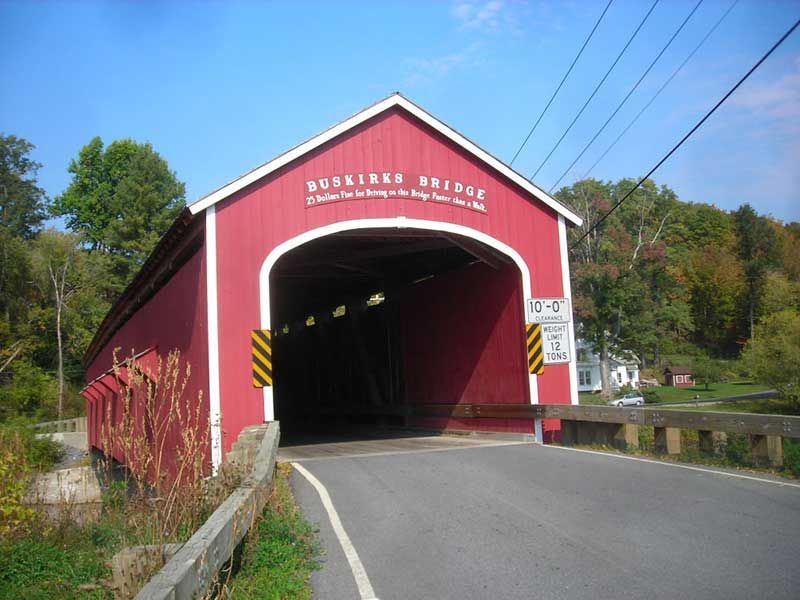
{"x": 689, "y": 134}
{"x": 589, "y": 99}
{"x": 628, "y": 95}
{"x": 661, "y": 89}
{"x": 563, "y": 79}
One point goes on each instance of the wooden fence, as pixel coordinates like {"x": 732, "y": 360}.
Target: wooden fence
{"x": 619, "y": 427}
{"x": 65, "y": 425}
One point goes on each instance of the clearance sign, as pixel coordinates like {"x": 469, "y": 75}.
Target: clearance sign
{"x": 554, "y": 315}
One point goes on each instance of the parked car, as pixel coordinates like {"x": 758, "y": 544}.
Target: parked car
{"x": 630, "y": 399}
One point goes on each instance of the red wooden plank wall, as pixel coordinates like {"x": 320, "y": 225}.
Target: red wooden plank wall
{"x": 464, "y": 343}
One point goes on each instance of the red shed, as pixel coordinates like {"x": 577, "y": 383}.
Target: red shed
{"x": 678, "y": 377}
{"x": 381, "y": 264}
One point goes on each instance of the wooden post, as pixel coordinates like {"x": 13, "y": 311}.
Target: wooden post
{"x": 626, "y": 436}
{"x": 586, "y": 433}
{"x": 569, "y": 433}
{"x": 708, "y": 441}
{"x": 767, "y": 450}
{"x": 667, "y": 440}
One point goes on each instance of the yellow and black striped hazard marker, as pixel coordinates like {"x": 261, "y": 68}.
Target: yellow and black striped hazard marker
{"x": 533, "y": 333}
{"x": 262, "y": 357}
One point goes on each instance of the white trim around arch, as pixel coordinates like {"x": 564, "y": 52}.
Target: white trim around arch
{"x": 386, "y": 223}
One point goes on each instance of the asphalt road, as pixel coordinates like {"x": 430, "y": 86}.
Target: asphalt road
{"x": 525, "y": 521}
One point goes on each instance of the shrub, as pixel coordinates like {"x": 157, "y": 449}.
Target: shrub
{"x": 28, "y": 391}
{"x": 15, "y": 518}
{"x": 737, "y": 448}
{"x": 791, "y": 456}
{"x": 650, "y": 395}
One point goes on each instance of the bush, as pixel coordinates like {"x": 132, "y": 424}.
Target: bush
{"x": 16, "y": 518}
{"x": 29, "y": 392}
{"x": 773, "y": 354}
{"x": 650, "y": 395}
{"x": 791, "y": 456}
{"x": 737, "y": 448}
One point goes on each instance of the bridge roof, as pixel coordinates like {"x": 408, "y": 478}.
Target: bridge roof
{"x": 395, "y": 100}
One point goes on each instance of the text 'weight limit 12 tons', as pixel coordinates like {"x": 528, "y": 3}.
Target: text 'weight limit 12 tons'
{"x": 554, "y": 314}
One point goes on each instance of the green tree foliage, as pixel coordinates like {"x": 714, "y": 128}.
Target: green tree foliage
{"x": 625, "y": 293}
{"x": 773, "y": 354}
{"x": 706, "y": 370}
{"x": 22, "y": 202}
{"x": 757, "y": 245}
{"x": 660, "y": 276}
{"x": 121, "y": 200}
{"x": 56, "y": 287}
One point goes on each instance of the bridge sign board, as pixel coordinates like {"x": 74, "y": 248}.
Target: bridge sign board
{"x": 557, "y": 348}
{"x": 548, "y": 310}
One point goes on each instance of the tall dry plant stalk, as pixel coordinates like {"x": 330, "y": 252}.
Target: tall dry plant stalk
{"x": 161, "y": 436}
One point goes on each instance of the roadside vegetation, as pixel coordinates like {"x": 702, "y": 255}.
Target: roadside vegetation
{"x": 673, "y": 394}
{"x": 280, "y": 553}
{"x": 157, "y": 498}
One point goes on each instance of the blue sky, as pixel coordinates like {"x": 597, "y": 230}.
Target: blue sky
{"x": 220, "y": 87}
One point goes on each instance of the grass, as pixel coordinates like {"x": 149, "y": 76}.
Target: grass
{"x": 673, "y": 394}
{"x": 40, "y": 559}
{"x": 54, "y": 564}
{"x": 772, "y": 406}
{"x": 280, "y": 552}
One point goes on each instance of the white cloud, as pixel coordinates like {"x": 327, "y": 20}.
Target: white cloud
{"x": 424, "y": 69}
{"x": 479, "y": 15}
{"x": 778, "y": 99}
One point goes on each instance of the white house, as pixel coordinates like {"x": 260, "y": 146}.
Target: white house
{"x": 622, "y": 370}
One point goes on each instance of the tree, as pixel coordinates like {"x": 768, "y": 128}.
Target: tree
{"x": 121, "y": 201}
{"x": 55, "y": 257}
{"x": 716, "y": 285}
{"x": 773, "y": 354}
{"x": 779, "y": 294}
{"x": 23, "y": 205}
{"x": 758, "y": 250}
{"x": 623, "y": 293}
{"x": 706, "y": 370}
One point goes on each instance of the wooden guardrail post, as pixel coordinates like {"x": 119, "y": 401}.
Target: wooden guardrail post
{"x": 569, "y": 433}
{"x": 619, "y": 435}
{"x": 709, "y": 441}
{"x": 767, "y": 450}
{"x": 626, "y": 436}
{"x": 667, "y": 440}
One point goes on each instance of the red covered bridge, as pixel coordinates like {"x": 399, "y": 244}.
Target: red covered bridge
{"x": 382, "y": 264}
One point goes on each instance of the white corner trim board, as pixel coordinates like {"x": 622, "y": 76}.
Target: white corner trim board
{"x": 366, "y": 114}
{"x": 214, "y": 413}
{"x": 386, "y": 223}
{"x": 567, "y": 291}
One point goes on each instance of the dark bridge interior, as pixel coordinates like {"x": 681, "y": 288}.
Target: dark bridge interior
{"x": 347, "y": 312}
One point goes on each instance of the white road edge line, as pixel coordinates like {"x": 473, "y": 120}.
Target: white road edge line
{"x": 359, "y": 573}
{"x": 677, "y": 466}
